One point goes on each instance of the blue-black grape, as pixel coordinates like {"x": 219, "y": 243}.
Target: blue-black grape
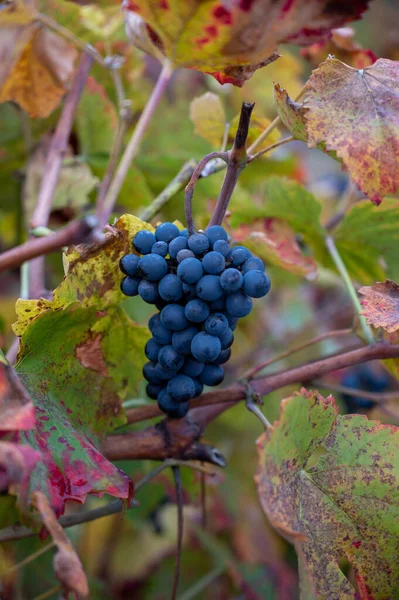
{"x": 239, "y": 255}
{"x": 223, "y": 357}
{"x": 205, "y": 347}
{"x": 130, "y": 286}
{"x": 185, "y": 253}
{"x": 189, "y": 291}
{"x": 179, "y": 243}
{"x": 218, "y": 305}
{"x": 169, "y": 359}
{"x": 174, "y": 410}
{"x": 212, "y": 375}
{"x": 253, "y": 263}
{"x": 151, "y": 349}
{"x": 198, "y": 243}
{"x": 160, "y": 248}
{"x": 213, "y": 263}
{"x": 161, "y": 334}
{"x": 153, "y": 267}
{"x": 150, "y": 375}
{"x": 209, "y": 288}
{"x": 198, "y": 387}
{"x": 192, "y": 367}
{"x": 256, "y": 284}
{"x": 226, "y": 338}
{"x": 190, "y": 270}
{"x": 181, "y": 340}
{"x": 216, "y": 324}
{"x": 215, "y": 233}
{"x": 238, "y": 304}
{"x": 153, "y": 390}
{"x": 170, "y": 288}
{"x": 222, "y": 247}
{"x": 181, "y": 388}
{"x": 196, "y": 310}
{"x": 166, "y": 232}
{"x": 129, "y": 264}
{"x": 231, "y": 280}
{"x": 143, "y": 241}
{"x": 163, "y": 374}
{"x": 148, "y": 291}
{"x": 173, "y": 317}
{"x": 153, "y": 320}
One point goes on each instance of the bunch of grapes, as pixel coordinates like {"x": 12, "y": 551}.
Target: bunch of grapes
{"x": 201, "y": 287}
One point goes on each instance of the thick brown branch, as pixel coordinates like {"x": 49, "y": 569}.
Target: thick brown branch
{"x": 77, "y": 232}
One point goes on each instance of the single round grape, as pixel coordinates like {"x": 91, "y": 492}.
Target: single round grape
{"x": 174, "y": 410}
{"x": 209, "y": 288}
{"x": 239, "y": 255}
{"x": 130, "y": 286}
{"x": 170, "y": 288}
{"x": 218, "y": 305}
{"x": 166, "y": 232}
{"x": 173, "y": 317}
{"x": 196, "y": 310}
{"x": 179, "y": 243}
{"x": 223, "y": 357}
{"x": 198, "y": 243}
{"x": 190, "y": 270}
{"x": 153, "y": 390}
{"x": 256, "y": 284}
{"x": 198, "y": 387}
{"x": 215, "y": 233}
{"x": 181, "y": 388}
{"x": 153, "y": 267}
{"x": 231, "y": 280}
{"x": 161, "y": 334}
{"x": 213, "y": 263}
{"x": 169, "y": 359}
{"x": 189, "y": 291}
{"x": 238, "y": 304}
{"x": 148, "y": 291}
{"x": 181, "y": 340}
{"x": 150, "y": 375}
{"x": 222, "y": 247}
{"x": 153, "y": 319}
{"x": 192, "y": 367}
{"x": 205, "y": 347}
{"x": 184, "y": 232}
{"x": 253, "y": 263}
{"x": 185, "y": 253}
{"x": 163, "y": 374}
{"x": 216, "y": 324}
{"x": 143, "y": 241}
{"x": 232, "y": 321}
{"x": 151, "y": 349}
{"x": 129, "y": 264}
{"x": 160, "y": 248}
{"x": 212, "y": 375}
{"x": 226, "y": 339}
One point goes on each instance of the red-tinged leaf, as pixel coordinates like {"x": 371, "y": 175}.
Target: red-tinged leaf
{"x": 344, "y": 506}
{"x": 231, "y": 39}
{"x": 16, "y": 465}
{"x": 17, "y": 412}
{"x": 381, "y": 305}
{"x": 343, "y": 46}
{"x": 67, "y": 566}
{"x": 274, "y": 240}
{"x": 355, "y": 112}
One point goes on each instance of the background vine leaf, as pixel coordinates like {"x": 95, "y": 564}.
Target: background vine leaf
{"x": 231, "y": 40}
{"x": 381, "y": 305}
{"x": 345, "y": 505}
{"x": 355, "y": 112}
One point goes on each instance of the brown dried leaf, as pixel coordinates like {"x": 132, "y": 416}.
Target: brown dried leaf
{"x": 67, "y": 566}
{"x": 381, "y": 305}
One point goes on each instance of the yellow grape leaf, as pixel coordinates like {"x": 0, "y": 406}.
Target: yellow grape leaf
{"x": 37, "y": 65}
{"x": 209, "y": 119}
{"x": 381, "y": 305}
{"x": 231, "y": 39}
{"x": 355, "y": 112}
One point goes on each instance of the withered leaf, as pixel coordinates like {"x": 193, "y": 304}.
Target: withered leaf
{"x": 381, "y": 305}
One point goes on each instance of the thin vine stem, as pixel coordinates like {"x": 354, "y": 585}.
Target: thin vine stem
{"x": 30, "y": 558}
{"x": 339, "y": 263}
{"x": 271, "y": 147}
{"x": 134, "y": 143}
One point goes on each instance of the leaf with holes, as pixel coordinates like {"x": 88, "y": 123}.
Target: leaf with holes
{"x": 80, "y": 356}
{"x": 355, "y": 112}
{"x": 381, "y": 305}
{"x": 345, "y": 506}
{"x": 231, "y": 39}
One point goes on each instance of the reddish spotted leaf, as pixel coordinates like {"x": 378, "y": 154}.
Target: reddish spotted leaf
{"x": 381, "y": 305}
{"x": 345, "y": 506}
{"x": 231, "y": 39}
{"x": 343, "y": 46}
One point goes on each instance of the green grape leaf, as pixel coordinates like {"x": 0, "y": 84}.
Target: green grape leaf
{"x": 231, "y": 40}
{"x": 80, "y": 357}
{"x": 344, "y": 506}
